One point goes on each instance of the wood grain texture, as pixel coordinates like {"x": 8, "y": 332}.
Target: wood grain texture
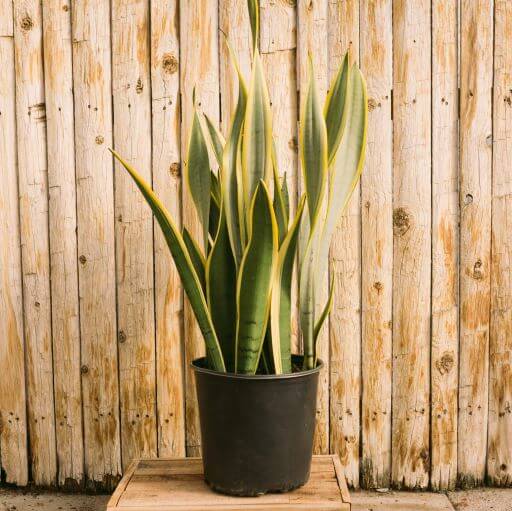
{"x": 13, "y": 419}
{"x": 345, "y": 270}
{"x": 312, "y": 40}
{"x": 179, "y": 484}
{"x": 412, "y": 243}
{"x": 167, "y": 182}
{"x": 134, "y": 229}
{"x": 199, "y": 69}
{"x": 63, "y": 242}
{"x": 96, "y": 241}
{"x": 445, "y": 243}
{"x": 35, "y": 249}
{"x": 376, "y": 51}
{"x": 499, "y": 453}
{"x": 475, "y": 236}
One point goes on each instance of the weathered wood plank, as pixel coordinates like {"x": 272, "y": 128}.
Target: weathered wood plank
{"x": 33, "y": 198}
{"x": 411, "y": 257}
{"x": 499, "y": 454}
{"x": 165, "y": 83}
{"x": 475, "y": 235}
{"x": 13, "y": 432}
{"x": 345, "y": 269}
{"x": 199, "y": 68}
{"x": 445, "y": 243}
{"x": 376, "y": 50}
{"x": 96, "y": 240}
{"x": 312, "y": 40}
{"x": 134, "y": 229}
{"x": 63, "y": 242}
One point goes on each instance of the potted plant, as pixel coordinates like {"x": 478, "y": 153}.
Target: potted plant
{"x": 257, "y": 401}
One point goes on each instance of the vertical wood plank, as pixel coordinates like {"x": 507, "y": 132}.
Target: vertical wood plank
{"x": 234, "y": 24}
{"x": 199, "y": 68}
{"x": 475, "y": 235}
{"x": 96, "y": 241}
{"x": 278, "y": 47}
{"x": 345, "y": 268}
{"x": 134, "y": 229}
{"x": 376, "y": 52}
{"x": 165, "y": 83}
{"x": 63, "y": 243}
{"x": 445, "y": 243}
{"x": 312, "y": 40}
{"x": 499, "y": 454}
{"x": 33, "y": 197}
{"x": 13, "y": 420}
{"x": 412, "y": 243}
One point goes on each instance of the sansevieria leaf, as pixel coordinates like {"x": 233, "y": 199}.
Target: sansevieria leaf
{"x": 221, "y": 291}
{"x": 197, "y": 174}
{"x": 281, "y": 305}
{"x": 185, "y": 267}
{"x": 216, "y": 138}
{"x": 255, "y": 280}
{"x": 254, "y": 17}
{"x": 346, "y": 167}
{"x": 323, "y": 316}
{"x": 196, "y": 257}
{"x": 257, "y": 134}
{"x": 230, "y": 177}
{"x": 313, "y": 145}
{"x": 335, "y": 109}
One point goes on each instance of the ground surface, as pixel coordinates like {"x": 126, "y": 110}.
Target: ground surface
{"x": 473, "y": 500}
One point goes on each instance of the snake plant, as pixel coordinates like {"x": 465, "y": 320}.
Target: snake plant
{"x": 238, "y": 276}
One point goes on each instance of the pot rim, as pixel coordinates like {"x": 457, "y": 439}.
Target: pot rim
{"x": 234, "y": 376}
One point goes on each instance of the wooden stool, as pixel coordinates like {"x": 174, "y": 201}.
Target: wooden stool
{"x": 177, "y": 485}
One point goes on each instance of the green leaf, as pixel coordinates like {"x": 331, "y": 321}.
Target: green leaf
{"x": 196, "y": 257}
{"x": 323, "y": 316}
{"x": 257, "y": 134}
{"x": 231, "y": 171}
{"x": 254, "y": 17}
{"x": 214, "y": 219}
{"x": 215, "y": 188}
{"x": 185, "y": 267}
{"x": 280, "y": 208}
{"x": 335, "y": 110}
{"x": 254, "y": 282}
{"x": 221, "y": 291}
{"x": 286, "y": 197}
{"x": 198, "y": 175}
{"x": 281, "y": 304}
{"x": 346, "y": 167}
{"x": 216, "y": 139}
{"x": 313, "y": 149}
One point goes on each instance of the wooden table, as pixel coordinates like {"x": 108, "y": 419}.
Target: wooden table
{"x": 177, "y": 485}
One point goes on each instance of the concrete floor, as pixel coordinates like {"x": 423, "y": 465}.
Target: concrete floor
{"x": 473, "y": 500}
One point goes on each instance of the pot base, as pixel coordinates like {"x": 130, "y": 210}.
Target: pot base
{"x": 253, "y": 492}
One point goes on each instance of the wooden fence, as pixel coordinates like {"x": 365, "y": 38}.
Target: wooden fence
{"x": 95, "y": 337}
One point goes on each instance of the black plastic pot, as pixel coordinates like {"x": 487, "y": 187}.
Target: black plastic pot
{"x": 257, "y": 431}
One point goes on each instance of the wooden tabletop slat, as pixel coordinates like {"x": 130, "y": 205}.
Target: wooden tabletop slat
{"x": 177, "y": 484}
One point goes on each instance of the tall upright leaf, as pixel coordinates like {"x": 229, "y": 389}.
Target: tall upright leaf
{"x": 196, "y": 257}
{"x": 221, "y": 291}
{"x": 257, "y": 134}
{"x": 313, "y": 145}
{"x": 197, "y": 174}
{"x": 255, "y": 281}
{"x": 185, "y": 267}
{"x": 346, "y": 167}
{"x": 216, "y": 139}
{"x": 335, "y": 109}
{"x": 230, "y": 177}
{"x": 254, "y": 17}
{"x": 281, "y": 304}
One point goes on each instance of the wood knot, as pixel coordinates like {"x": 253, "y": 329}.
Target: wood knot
{"x": 99, "y": 140}
{"x": 401, "y": 221}
{"x": 175, "y": 169}
{"x": 82, "y": 259}
{"x": 378, "y": 286}
{"x": 65, "y": 8}
{"x": 84, "y": 369}
{"x": 478, "y": 274}
{"x": 121, "y": 336}
{"x": 372, "y": 104}
{"x": 170, "y": 63}
{"x": 26, "y": 23}
{"x": 37, "y": 305}
{"x": 293, "y": 145}
{"x": 445, "y": 364}
{"x": 139, "y": 87}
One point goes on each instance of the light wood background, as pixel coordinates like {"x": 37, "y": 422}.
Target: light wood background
{"x": 95, "y": 336}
